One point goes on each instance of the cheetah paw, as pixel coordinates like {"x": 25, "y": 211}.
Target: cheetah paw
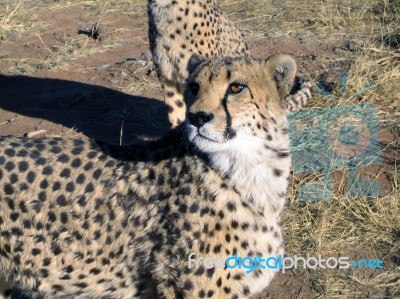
{"x": 298, "y": 100}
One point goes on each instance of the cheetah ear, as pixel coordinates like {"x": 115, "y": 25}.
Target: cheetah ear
{"x": 194, "y": 61}
{"x": 283, "y": 70}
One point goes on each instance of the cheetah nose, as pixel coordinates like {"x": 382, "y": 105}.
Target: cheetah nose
{"x": 200, "y": 118}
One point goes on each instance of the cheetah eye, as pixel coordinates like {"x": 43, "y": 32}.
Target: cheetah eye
{"x": 235, "y": 88}
{"x": 194, "y": 88}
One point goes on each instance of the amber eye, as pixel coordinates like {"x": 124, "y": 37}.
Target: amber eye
{"x": 235, "y": 88}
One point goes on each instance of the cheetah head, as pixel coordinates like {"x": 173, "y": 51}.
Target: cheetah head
{"x": 237, "y": 117}
{"x": 236, "y": 105}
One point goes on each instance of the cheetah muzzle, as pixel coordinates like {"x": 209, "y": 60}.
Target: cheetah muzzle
{"x": 83, "y": 219}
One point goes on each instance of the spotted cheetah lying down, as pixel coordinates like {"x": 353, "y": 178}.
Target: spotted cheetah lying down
{"x": 82, "y": 219}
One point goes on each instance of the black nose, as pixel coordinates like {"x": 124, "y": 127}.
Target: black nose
{"x": 200, "y": 118}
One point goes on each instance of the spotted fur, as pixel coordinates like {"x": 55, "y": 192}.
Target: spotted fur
{"x": 299, "y": 98}
{"x": 83, "y": 219}
{"x": 179, "y": 29}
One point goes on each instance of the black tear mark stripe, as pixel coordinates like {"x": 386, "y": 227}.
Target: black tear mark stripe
{"x": 252, "y": 97}
{"x": 229, "y": 132}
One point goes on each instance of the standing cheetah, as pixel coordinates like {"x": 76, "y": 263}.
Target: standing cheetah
{"x": 180, "y": 28}
{"x": 82, "y": 219}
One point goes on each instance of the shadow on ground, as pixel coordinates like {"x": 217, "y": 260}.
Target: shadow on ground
{"x": 96, "y": 111}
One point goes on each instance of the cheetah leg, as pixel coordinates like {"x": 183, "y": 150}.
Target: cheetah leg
{"x": 298, "y": 100}
{"x": 5, "y": 289}
{"x": 175, "y": 104}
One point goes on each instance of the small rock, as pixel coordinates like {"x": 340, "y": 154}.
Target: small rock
{"x": 351, "y": 46}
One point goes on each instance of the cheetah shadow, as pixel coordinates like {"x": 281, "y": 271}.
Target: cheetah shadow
{"x": 96, "y": 111}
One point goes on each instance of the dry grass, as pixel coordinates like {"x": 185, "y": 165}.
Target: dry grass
{"x": 344, "y": 226}
{"x": 14, "y": 18}
{"x": 352, "y": 227}
{"x": 349, "y": 226}
{"x": 68, "y": 51}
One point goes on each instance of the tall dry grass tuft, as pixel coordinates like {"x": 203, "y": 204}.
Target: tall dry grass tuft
{"x": 16, "y": 18}
{"x": 348, "y": 227}
{"x": 357, "y": 227}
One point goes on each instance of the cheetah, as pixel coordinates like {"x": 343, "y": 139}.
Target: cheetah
{"x": 84, "y": 219}
{"x": 180, "y": 28}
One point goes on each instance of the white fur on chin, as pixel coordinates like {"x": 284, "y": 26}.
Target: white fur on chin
{"x": 250, "y": 166}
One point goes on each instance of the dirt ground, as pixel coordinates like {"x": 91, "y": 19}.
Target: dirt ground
{"x": 80, "y": 98}
{"x": 57, "y": 80}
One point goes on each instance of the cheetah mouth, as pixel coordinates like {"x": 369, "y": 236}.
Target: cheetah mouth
{"x": 196, "y": 134}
